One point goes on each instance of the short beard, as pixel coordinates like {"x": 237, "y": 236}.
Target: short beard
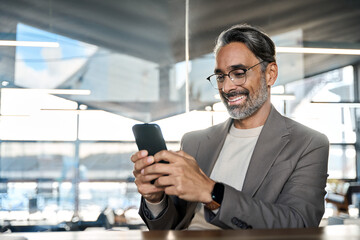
{"x": 252, "y": 103}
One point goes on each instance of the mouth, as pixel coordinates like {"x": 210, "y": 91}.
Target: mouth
{"x": 235, "y": 100}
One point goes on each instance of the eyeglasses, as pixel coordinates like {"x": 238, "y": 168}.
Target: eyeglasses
{"x": 237, "y": 76}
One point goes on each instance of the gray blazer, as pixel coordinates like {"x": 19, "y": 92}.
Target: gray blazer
{"x": 284, "y": 185}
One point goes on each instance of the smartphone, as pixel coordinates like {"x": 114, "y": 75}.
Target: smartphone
{"x": 148, "y": 136}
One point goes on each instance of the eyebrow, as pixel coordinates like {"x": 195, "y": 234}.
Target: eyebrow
{"x": 232, "y": 67}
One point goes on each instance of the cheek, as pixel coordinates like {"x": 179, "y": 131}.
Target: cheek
{"x": 253, "y": 87}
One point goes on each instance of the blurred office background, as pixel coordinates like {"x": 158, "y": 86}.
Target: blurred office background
{"x": 68, "y": 104}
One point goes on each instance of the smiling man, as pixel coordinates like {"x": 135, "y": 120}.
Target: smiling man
{"x": 258, "y": 169}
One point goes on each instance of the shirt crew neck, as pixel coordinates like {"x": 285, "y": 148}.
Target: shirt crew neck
{"x": 245, "y": 133}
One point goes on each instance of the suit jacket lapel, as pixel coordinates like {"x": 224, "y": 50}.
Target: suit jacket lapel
{"x": 272, "y": 140}
{"x": 210, "y": 149}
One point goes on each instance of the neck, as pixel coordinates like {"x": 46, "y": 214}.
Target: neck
{"x": 257, "y": 119}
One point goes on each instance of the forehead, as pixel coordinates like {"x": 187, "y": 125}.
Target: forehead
{"x": 234, "y": 53}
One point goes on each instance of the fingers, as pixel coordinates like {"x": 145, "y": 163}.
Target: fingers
{"x": 159, "y": 169}
{"x": 184, "y": 154}
{"x": 164, "y": 181}
{"x": 143, "y": 163}
{"x": 138, "y": 155}
{"x": 149, "y": 191}
{"x": 144, "y": 186}
{"x": 141, "y": 160}
{"x": 145, "y": 189}
{"x": 182, "y": 177}
{"x": 170, "y": 156}
{"x": 171, "y": 190}
{"x": 148, "y": 178}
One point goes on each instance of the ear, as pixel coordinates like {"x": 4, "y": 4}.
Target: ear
{"x": 271, "y": 73}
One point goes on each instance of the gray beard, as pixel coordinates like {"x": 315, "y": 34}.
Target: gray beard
{"x": 252, "y": 104}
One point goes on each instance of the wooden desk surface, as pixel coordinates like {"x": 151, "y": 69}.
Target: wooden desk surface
{"x": 348, "y": 232}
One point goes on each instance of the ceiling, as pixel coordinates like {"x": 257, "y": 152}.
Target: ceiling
{"x": 154, "y": 29}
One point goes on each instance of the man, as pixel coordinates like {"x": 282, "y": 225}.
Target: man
{"x": 256, "y": 170}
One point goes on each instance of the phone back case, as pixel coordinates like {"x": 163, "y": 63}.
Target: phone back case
{"x": 149, "y": 137}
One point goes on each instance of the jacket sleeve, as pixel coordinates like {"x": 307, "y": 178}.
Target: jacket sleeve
{"x": 168, "y": 219}
{"x": 300, "y": 202}
{"x": 177, "y": 215}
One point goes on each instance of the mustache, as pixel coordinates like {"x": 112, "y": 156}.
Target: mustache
{"x": 235, "y": 93}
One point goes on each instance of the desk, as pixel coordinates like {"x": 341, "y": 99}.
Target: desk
{"x": 348, "y": 232}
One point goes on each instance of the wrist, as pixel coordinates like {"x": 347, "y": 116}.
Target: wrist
{"x": 154, "y": 199}
{"x": 217, "y": 195}
{"x": 206, "y": 198}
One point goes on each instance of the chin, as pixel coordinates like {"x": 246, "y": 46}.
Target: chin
{"x": 240, "y": 113}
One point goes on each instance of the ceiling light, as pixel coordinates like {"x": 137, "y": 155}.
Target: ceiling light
{"x": 83, "y": 107}
{"x": 1, "y": 115}
{"x": 53, "y": 91}
{"x": 339, "y": 104}
{"x": 318, "y": 50}
{"x": 12, "y": 43}
{"x": 64, "y": 91}
{"x": 68, "y": 110}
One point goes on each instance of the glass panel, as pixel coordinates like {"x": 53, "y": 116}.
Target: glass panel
{"x": 109, "y": 161}
{"x": 37, "y": 160}
{"x": 334, "y": 86}
{"x": 18, "y": 196}
{"x": 133, "y": 76}
{"x": 342, "y": 162}
{"x": 123, "y": 198}
{"x": 112, "y": 126}
{"x": 125, "y": 75}
{"x": 106, "y": 160}
{"x": 49, "y": 67}
{"x": 36, "y": 115}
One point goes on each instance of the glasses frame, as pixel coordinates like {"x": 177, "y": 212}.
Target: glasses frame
{"x": 228, "y": 74}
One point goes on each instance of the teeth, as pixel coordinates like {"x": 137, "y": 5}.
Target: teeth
{"x": 235, "y": 99}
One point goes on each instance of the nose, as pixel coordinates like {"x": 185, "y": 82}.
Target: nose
{"x": 228, "y": 84}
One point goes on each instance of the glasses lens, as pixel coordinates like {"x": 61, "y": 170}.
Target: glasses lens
{"x": 214, "y": 81}
{"x": 237, "y": 76}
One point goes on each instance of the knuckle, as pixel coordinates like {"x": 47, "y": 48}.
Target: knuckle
{"x": 137, "y": 182}
{"x": 181, "y": 152}
{"x": 137, "y": 168}
{"x": 180, "y": 189}
{"x": 160, "y": 181}
{"x": 179, "y": 171}
{"x": 155, "y": 167}
{"x": 141, "y": 189}
{"x": 138, "y": 185}
{"x": 168, "y": 191}
{"x": 160, "y": 154}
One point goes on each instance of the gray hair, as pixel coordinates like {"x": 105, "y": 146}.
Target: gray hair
{"x": 258, "y": 42}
